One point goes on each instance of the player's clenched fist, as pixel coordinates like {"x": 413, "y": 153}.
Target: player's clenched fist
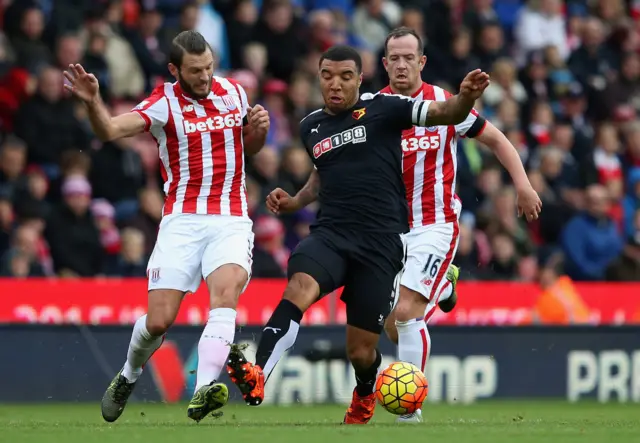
{"x": 279, "y": 201}
{"x": 474, "y": 84}
{"x": 259, "y": 119}
{"x": 81, "y": 84}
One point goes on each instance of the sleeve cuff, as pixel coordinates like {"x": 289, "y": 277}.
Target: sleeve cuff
{"x": 145, "y": 117}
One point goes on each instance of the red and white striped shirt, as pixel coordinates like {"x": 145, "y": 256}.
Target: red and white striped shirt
{"x": 429, "y": 163}
{"x": 200, "y": 147}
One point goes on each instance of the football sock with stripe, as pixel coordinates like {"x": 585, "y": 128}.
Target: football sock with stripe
{"x": 278, "y": 335}
{"x": 414, "y": 342}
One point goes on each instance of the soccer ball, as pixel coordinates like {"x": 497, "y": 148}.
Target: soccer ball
{"x": 401, "y": 388}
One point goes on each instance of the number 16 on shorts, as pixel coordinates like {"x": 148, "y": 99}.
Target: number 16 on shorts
{"x": 430, "y": 270}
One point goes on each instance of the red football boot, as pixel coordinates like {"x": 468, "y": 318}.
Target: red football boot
{"x": 248, "y": 377}
{"x": 361, "y": 409}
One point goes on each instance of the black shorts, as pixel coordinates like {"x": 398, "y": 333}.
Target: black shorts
{"x": 369, "y": 266}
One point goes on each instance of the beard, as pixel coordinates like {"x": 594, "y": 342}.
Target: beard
{"x": 186, "y": 87}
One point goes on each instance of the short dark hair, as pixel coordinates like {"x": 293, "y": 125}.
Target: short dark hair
{"x": 402, "y": 32}
{"x": 341, "y": 53}
{"x": 190, "y": 42}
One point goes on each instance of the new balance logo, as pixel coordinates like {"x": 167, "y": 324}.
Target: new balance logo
{"x": 275, "y": 330}
{"x": 208, "y": 124}
{"x": 315, "y": 129}
{"x": 187, "y": 108}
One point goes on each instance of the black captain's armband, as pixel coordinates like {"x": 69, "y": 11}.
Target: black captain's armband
{"x": 476, "y": 128}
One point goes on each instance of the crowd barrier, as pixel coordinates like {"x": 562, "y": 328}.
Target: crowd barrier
{"x": 49, "y": 363}
{"x": 122, "y": 301}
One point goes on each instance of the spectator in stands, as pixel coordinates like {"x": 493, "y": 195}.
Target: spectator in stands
{"x": 631, "y": 203}
{"x": 504, "y": 263}
{"x": 480, "y": 13}
{"x": 591, "y": 240}
{"x": 467, "y": 256}
{"x": 131, "y": 260}
{"x": 265, "y": 166}
{"x": 118, "y": 176}
{"x": 17, "y": 84}
{"x": 24, "y": 248}
{"x": 373, "y": 20}
{"x": 593, "y": 62}
{"x": 270, "y": 256}
{"x": 632, "y": 141}
{"x": 13, "y": 158}
{"x": 240, "y": 30}
{"x": 48, "y": 125}
{"x": 72, "y": 232}
{"x": 627, "y": 266}
{"x": 459, "y": 60}
{"x": 542, "y": 24}
{"x": 275, "y": 102}
{"x": 504, "y": 220}
{"x": 255, "y": 59}
{"x": 148, "y": 217}
{"x": 146, "y": 42}
{"x": 32, "y": 198}
{"x": 126, "y": 78}
{"x": 254, "y": 199}
{"x": 296, "y": 167}
{"x": 623, "y": 95}
{"x": 298, "y": 226}
{"x": 28, "y": 42}
{"x": 68, "y": 50}
{"x": 104, "y": 216}
{"x": 504, "y": 83}
{"x": 94, "y": 61}
{"x": 283, "y": 37}
{"x": 491, "y": 46}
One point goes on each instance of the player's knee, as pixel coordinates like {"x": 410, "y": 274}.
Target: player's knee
{"x": 302, "y": 290}
{"x": 361, "y": 355}
{"x": 162, "y": 310}
{"x": 390, "y": 329}
{"x": 411, "y": 305}
{"x": 158, "y": 325}
{"x": 225, "y": 285}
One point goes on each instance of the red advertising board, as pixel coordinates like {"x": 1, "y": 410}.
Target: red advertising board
{"x": 121, "y": 301}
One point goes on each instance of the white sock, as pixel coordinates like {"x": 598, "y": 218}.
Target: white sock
{"x": 445, "y": 291}
{"x": 213, "y": 348}
{"x": 414, "y": 342}
{"x": 141, "y": 347}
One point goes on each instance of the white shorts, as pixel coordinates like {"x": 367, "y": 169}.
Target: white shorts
{"x": 430, "y": 252}
{"x": 191, "y": 246}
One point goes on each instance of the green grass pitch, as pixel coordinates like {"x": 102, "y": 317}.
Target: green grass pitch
{"x": 492, "y": 422}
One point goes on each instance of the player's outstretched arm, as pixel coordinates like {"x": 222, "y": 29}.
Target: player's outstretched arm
{"x": 529, "y": 203}
{"x": 85, "y": 87}
{"x": 456, "y": 109}
{"x": 279, "y": 201}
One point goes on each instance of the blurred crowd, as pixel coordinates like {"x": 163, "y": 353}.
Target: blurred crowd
{"x": 565, "y": 90}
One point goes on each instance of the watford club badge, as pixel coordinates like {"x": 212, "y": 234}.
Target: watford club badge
{"x": 359, "y": 113}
